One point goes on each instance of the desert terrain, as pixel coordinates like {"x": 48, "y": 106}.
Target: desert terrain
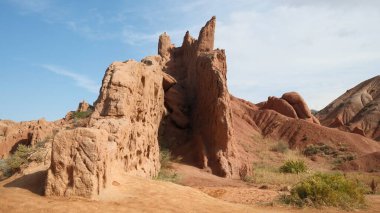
{"x": 166, "y": 135}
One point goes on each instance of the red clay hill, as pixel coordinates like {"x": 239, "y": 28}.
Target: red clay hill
{"x": 357, "y": 110}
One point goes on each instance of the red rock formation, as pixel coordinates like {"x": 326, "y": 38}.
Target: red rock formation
{"x": 357, "y": 110}
{"x": 292, "y": 105}
{"x": 199, "y": 104}
{"x": 297, "y": 132}
{"x": 122, "y": 134}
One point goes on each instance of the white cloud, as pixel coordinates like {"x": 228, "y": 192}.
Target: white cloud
{"x": 80, "y": 80}
{"x": 318, "y": 49}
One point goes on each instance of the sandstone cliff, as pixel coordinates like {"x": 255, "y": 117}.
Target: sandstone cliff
{"x": 121, "y": 135}
{"x": 199, "y": 124}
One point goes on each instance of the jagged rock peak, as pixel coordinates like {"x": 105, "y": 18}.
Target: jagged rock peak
{"x": 83, "y": 106}
{"x": 165, "y": 45}
{"x": 206, "y": 36}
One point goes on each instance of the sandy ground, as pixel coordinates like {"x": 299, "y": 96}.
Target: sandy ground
{"x": 132, "y": 194}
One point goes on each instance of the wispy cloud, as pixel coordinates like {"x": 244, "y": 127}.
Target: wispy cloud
{"x": 90, "y": 32}
{"x": 34, "y": 6}
{"x": 80, "y": 80}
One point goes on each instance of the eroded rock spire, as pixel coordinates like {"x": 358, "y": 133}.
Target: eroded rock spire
{"x": 206, "y": 36}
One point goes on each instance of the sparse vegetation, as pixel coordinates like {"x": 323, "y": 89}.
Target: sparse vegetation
{"x": 370, "y": 180}
{"x": 281, "y": 147}
{"x": 165, "y": 157}
{"x": 166, "y": 173}
{"x": 14, "y": 162}
{"x": 337, "y": 155}
{"x": 22, "y": 157}
{"x": 327, "y": 190}
{"x": 82, "y": 115}
{"x": 294, "y": 167}
{"x": 268, "y": 174}
{"x": 339, "y": 159}
{"x": 314, "y": 149}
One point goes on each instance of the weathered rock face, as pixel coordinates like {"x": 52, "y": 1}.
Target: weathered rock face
{"x": 292, "y": 105}
{"x": 122, "y": 133}
{"x": 130, "y": 107}
{"x": 199, "y": 104}
{"x": 27, "y": 133}
{"x": 357, "y": 110}
{"x": 80, "y": 160}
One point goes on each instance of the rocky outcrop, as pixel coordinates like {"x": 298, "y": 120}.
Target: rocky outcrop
{"x": 357, "y": 110}
{"x": 292, "y": 105}
{"x": 199, "y": 103}
{"x": 27, "y": 133}
{"x": 121, "y": 135}
{"x": 83, "y": 106}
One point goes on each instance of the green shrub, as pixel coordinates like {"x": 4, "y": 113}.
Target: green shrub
{"x": 281, "y": 147}
{"x": 14, "y": 162}
{"x": 318, "y": 149}
{"x": 5, "y": 170}
{"x": 20, "y": 157}
{"x": 294, "y": 167}
{"x": 81, "y": 115}
{"x": 327, "y": 190}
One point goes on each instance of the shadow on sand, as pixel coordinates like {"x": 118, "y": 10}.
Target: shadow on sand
{"x": 34, "y": 182}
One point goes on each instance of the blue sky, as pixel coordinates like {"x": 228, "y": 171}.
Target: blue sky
{"x": 54, "y": 52}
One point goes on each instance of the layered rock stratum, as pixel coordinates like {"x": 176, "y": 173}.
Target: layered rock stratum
{"x": 357, "y": 110}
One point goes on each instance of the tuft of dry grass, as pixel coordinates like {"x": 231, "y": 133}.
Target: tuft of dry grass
{"x": 367, "y": 179}
{"x": 267, "y": 174}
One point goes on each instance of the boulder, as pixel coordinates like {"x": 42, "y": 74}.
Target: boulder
{"x": 292, "y": 105}
{"x": 298, "y": 104}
